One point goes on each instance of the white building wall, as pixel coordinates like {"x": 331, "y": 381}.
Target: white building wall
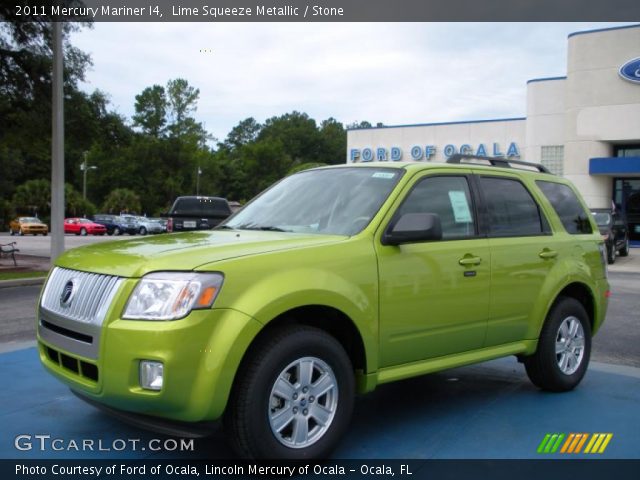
{"x": 601, "y": 108}
{"x": 545, "y": 116}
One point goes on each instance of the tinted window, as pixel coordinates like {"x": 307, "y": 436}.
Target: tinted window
{"x": 204, "y": 206}
{"x": 566, "y": 204}
{"x": 510, "y": 207}
{"x": 448, "y": 197}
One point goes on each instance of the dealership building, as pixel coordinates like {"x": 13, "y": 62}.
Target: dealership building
{"x": 584, "y": 126}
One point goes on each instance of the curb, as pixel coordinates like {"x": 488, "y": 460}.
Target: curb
{"x": 22, "y": 282}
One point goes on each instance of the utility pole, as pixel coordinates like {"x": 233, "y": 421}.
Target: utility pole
{"x": 57, "y": 146}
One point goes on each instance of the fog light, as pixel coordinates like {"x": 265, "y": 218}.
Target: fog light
{"x": 151, "y": 375}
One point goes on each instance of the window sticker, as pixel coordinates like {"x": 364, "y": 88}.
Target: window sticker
{"x": 460, "y": 206}
{"x": 385, "y": 175}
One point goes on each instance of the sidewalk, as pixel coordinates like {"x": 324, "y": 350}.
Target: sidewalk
{"x": 630, "y": 264}
{"x": 26, "y": 263}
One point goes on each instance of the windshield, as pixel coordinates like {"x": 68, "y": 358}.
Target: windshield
{"x": 30, "y": 220}
{"x": 338, "y": 201}
{"x": 602, "y": 218}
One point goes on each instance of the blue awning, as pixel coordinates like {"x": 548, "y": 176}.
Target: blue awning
{"x": 614, "y": 166}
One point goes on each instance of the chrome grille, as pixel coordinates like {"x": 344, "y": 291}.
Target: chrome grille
{"x": 92, "y": 296}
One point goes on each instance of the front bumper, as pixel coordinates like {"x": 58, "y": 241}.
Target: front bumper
{"x": 200, "y": 354}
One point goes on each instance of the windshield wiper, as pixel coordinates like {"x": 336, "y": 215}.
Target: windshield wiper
{"x": 265, "y": 228}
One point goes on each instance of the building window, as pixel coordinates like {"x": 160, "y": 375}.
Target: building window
{"x": 552, "y": 157}
{"x": 628, "y": 151}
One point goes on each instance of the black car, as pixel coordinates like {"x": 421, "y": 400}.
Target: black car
{"x": 197, "y": 213}
{"x": 115, "y": 224}
{"x": 615, "y": 233}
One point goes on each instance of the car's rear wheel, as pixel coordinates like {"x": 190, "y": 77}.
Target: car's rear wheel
{"x": 624, "y": 251}
{"x": 143, "y": 231}
{"x": 83, "y": 232}
{"x": 564, "y": 348}
{"x": 293, "y": 397}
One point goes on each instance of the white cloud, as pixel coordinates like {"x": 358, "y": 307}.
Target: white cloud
{"x": 395, "y": 73}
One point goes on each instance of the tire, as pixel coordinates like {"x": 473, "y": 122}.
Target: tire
{"x": 117, "y": 231}
{"x": 251, "y": 420}
{"x": 561, "y": 371}
{"x": 83, "y": 232}
{"x": 21, "y": 233}
{"x": 611, "y": 254}
{"x": 11, "y": 232}
{"x": 143, "y": 231}
{"x": 624, "y": 251}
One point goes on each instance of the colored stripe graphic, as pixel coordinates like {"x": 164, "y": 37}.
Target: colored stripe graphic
{"x": 574, "y": 443}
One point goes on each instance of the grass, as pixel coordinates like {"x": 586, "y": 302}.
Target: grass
{"x": 17, "y": 275}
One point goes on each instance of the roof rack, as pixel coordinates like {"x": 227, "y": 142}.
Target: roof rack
{"x": 497, "y": 162}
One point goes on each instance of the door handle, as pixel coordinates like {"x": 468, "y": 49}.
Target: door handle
{"x": 467, "y": 261}
{"x": 546, "y": 253}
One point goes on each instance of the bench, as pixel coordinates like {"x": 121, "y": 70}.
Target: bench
{"x": 9, "y": 250}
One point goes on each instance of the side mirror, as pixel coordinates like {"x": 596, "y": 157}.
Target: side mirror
{"x": 413, "y": 228}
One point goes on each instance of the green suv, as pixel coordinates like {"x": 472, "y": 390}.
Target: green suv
{"x": 331, "y": 282}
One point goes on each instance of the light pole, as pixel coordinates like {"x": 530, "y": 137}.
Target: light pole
{"x": 198, "y": 180}
{"x": 84, "y": 167}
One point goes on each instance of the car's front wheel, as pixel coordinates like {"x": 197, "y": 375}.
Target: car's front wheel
{"x": 293, "y": 397}
{"x": 143, "y": 231}
{"x": 564, "y": 348}
{"x": 83, "y": 232}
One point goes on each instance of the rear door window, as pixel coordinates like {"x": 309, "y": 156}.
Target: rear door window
{"x": 564, "y": 201}
{"x": 511, "y": 210}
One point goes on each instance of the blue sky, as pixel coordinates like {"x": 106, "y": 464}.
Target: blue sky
{"x": 395, "y": 73}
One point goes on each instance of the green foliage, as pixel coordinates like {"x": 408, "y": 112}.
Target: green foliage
{"x": 33, "y": 197}
{"x": 151, "y": 110}
{"x": 75, "y": 205}
{"x": 122, "y": 200}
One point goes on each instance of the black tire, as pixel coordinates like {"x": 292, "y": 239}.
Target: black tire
{"x": 21, "y": 233}
{"x": 543, "y": 367}
{"x": 143, "y": 231}
{"x": 117, "y": 231}
{"x": 611, "y": 254}
{"x": 11, "y": 232}
{"x": 247, "y": 418}
{"x": 624, "y": 251}
{"x": 83, "y": 232}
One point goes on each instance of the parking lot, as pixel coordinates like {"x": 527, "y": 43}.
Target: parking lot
{"x": 486, "y": 411}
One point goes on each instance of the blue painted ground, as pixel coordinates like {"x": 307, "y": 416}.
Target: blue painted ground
{"x": 487, "y": 411}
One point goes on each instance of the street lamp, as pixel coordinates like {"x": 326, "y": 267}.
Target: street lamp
{"x": 84, "y": 167}
{"x": 198, "y": 180}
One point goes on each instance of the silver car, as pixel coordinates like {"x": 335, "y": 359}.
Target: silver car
{"x": 148, "y": 225}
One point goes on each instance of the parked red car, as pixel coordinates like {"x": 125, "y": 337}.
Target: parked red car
{"x": 82, "y": 226}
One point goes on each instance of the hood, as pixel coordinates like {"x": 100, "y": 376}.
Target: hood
{"x": 182, "y": 251}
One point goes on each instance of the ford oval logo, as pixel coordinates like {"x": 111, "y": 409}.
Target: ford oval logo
{"x": 67, "y": 294}
{"x": 631, "y": 70}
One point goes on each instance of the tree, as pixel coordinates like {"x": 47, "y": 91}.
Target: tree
{"x": 33, "y": 197}
{"x": 122, "y": 200}
{"x": 151, "y": 110}
{"x": 182, "y": 100}
{"x": 245, "y": 132}
{"x": 334, "y": 141}
{"x": 75, "y": 205}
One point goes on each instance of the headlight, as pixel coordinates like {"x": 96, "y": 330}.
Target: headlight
{"x": 172, "y": 295}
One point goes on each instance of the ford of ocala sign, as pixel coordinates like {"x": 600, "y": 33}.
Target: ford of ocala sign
{"x": 427, "y": 152}
{"x": 631, "y": 70}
